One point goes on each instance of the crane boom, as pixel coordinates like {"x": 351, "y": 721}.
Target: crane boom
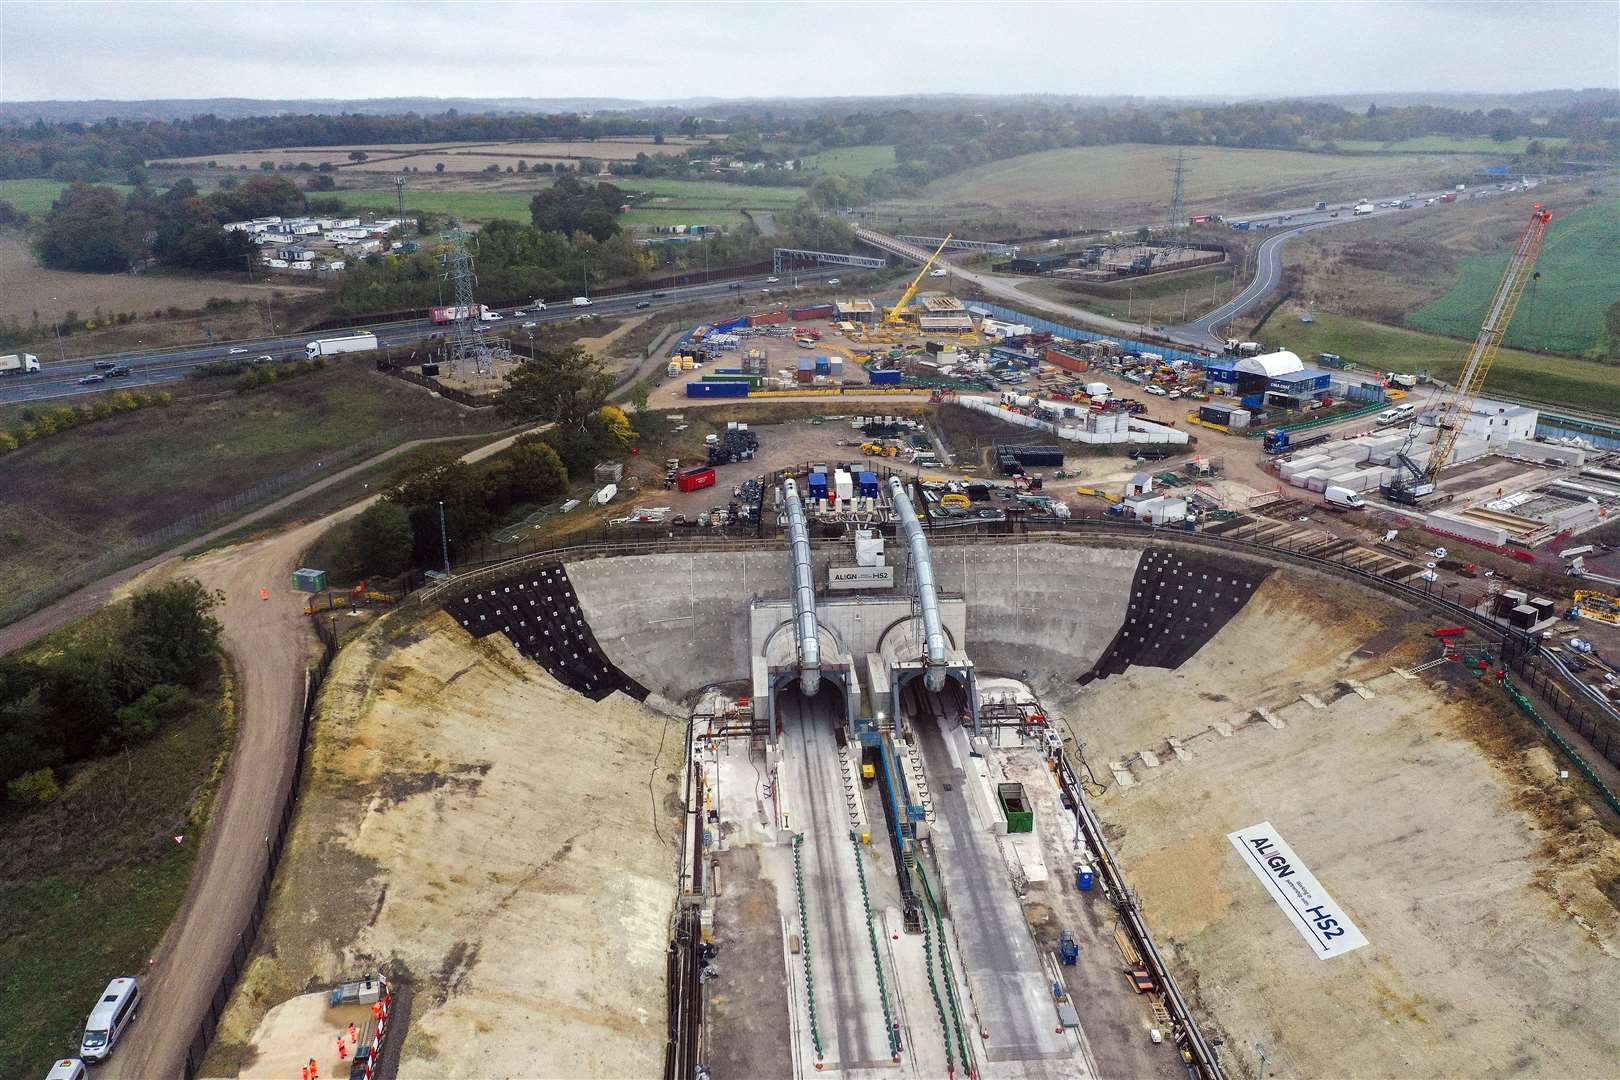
{"x": 1483, "y": 353}
{"x": 898, "y": 311}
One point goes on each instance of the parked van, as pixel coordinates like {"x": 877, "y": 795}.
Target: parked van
{"x": 68, "y": 1069}
{"x": 112, "y": 1014}
{"x": 1397, "y": 414}
{"x": 1342, "y": 498}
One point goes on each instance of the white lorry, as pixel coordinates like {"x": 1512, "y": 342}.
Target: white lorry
{"x": 1342, "y": 498}
{"x": 1364, "y": 208}
{"x": 18, "y": 363}
{"x": 361, "y": 342}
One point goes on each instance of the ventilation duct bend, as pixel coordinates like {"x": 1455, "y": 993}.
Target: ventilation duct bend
{"x": 922, "y": 566}
{"x": 804, "y": 593}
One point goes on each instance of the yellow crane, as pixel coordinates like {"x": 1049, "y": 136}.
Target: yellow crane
{"x": 1412, "y": 481}
{"x": 897, "y": 313}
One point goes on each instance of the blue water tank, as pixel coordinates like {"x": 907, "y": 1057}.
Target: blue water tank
{"x": 1083, "y": 878}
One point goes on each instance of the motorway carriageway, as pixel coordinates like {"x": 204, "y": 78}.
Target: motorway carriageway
{"x": 60, "y": 379}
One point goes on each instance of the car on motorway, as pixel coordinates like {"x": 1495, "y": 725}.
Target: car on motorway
{"x": 832, "y": 281}
{"x": 772, "y": 280}
{"x": 103, "y": 365}
{"x": 236, "y": 352}
{"x": 659, "y": 295}
{"x": 643, "y": 304}
{"x": 91, "y": 380}
{"x": 265, "y": 358}
{"x": 118, "y": 373}
{"x": 529, "y": 326}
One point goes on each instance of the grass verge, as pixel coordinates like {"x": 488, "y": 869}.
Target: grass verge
{"x": 1550, "y": 380}
{"x": 89, "y": 884}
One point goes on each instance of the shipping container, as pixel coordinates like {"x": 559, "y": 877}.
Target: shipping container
{"x": 818, "y": 485}
{"x": 693, "y": 479}
{"x": 1066, "y": 362}
{"x": 768, "y": 318}
{"x": 716, "y": 389}
{"x": 869, "y": 485}
{"x": 885, "y": 378}
{"x": 819, "y": 311}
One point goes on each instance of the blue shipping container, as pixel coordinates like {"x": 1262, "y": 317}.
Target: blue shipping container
{"x": 869, "y": 485}
{"x": 1254, "y": 401}
{"x": 818, "y": 485}
{"x": 807, "y": 363}
{"x": 885, "y": 378}
{"x": 823, "y": 365}
{"x": 717, "y": 389}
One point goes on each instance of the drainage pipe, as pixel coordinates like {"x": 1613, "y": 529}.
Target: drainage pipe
{"x": 922, "y": 567}
{"x": 804, "y": 592}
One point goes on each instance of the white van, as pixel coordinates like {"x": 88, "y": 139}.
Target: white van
{"x": 582, "y": 301}
{"x": 1397, "y": 414}
{"x": 112, "y": 1014}
{"x": 68, "y": 1069}
{"x": 1342, "y": 498}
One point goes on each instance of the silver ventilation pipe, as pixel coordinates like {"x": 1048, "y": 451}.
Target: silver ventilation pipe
{"x": 922, "y": 566}
{"x": 804, "y": 592}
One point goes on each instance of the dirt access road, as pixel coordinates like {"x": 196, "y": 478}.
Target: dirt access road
{"x": 270, "y": 644}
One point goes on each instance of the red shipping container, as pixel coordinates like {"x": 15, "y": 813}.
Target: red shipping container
{"x": 768, "y": 318}
{"x": 1066, "y": 362}
{"x": 694, "y": 479}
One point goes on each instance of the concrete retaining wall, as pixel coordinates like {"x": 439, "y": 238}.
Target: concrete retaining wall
{"x": 677, "y": 623}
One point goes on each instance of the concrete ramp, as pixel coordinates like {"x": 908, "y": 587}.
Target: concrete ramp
{"x": 1005, "y": 978}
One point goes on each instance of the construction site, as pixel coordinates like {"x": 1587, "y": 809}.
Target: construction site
{"x": 995, "y": 724}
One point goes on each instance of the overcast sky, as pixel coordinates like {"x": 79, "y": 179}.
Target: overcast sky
{"x": 288, "y": 49}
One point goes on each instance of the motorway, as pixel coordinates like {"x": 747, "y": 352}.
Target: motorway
{"x": 60, "y": 379}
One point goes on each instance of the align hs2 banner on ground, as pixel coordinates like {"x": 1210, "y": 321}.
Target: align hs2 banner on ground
{"x": 1308, "y": 906}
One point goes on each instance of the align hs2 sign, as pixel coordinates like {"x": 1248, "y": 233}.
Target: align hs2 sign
{"x": 1295, "y": 889}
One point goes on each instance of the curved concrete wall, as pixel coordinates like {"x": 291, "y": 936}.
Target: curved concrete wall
{"x": 677, "y": 623}
{"x": 1046, "y": 609}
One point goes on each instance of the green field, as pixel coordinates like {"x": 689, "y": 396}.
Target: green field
{"x": 668, "y": 202}
{"x": 91, "y": 881}
{"x": 74, "y": 496}
{"x": 34, "y": 197}
{"x": 855, "y": 162}
{"x": 1138, "y": 176}
{"x": 1564, "y": 309}
{"x": 1553, "y": 380}
{"x": 466, "y": 205}
{"x": 710, "y": 194}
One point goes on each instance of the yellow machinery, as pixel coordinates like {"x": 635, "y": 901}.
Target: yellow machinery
{"x": 897, "y": 313}
{"x": 1412, "y": 482}
{"x": 1599, "y": 606}
{"x": 953, "y": 501}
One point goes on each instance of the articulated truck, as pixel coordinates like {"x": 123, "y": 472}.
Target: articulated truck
{"x": 18, "y": 363}
{"x": 361, "y": 342}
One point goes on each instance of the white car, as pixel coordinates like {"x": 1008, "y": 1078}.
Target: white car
{"x": 832, "y": 281}
{"x": 772, "y": 280}
{"x": 529, "y": 325}
{"x": 539, "y": 305}
{"x": 938, "y": 273}
{"x": 235, "y": 352}
{"x": 1157, "y": 391}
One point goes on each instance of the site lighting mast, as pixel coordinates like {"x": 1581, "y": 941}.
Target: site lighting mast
{"x": 1413, "y": 481}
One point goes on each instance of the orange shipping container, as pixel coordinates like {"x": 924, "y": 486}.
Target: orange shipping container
{"x": 1066, "y": 362}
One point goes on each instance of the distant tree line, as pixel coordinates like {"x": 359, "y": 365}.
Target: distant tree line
{"x": 113, "y": 687}
{"x": 929, "y": 142}
{"x": 113, "y": 149}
